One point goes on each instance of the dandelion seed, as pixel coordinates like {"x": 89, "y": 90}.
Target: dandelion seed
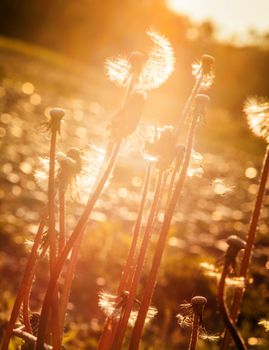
{"x": 209, "y": 337}
{"x": 195, "y": 167}
{"x": 236, "y": 282}
{"x": 112, "y": 305}
{"x": 257, "y": 112}
{"x": 152, "y": 69}
{"x": 264, "y": 324}
{"x": 221, "y": 188}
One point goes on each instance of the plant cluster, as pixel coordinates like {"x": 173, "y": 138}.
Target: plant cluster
{"x": 169, "y": 155}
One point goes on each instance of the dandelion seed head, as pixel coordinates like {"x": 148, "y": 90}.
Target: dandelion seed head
{"x": 163, "y": 149}
{"x": 257, "y": 112}
{"x": 264, "y": 324}
{"x": 204, "y": 69}
{"x": 236, "y": 242}
{"x": 151, "y": 69}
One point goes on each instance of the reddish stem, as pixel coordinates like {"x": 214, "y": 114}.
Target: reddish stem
{"x": 229, "y": 323}
{"x": 107, "y": 336}
{"x": 24, "y": 283}
{"x": 26, "y": 299}
{"x": 76, "y": 234}
{"x": 194, "y": 332}
{"x": 239, "y": 292}
{"x": 151, "y": 281}
{"x": 122, "y": 325}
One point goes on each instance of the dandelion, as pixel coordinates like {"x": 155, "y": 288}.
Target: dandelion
{"x": 258, "y": 119}
{"x": 203, "y": 70}
{"x": 54, "y": 122}
{"x": 151, "y": 69}
{"x": 264, "y": 324}
{"x": 257, "y": 112}
{"x": 163, "y": 149}
{"x": 75, "y": 173}
{"x": 192, "y": 316}
{"x": 235, "y": 245}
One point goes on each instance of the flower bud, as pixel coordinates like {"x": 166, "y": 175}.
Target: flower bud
{"x": 198, "y": 303}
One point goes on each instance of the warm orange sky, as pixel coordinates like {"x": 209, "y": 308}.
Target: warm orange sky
{"x": 232, "y": 17}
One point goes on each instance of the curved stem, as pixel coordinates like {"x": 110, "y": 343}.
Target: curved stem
{"x": 24, "y": 283}
{"x": 29, "y": 338}
{"x": 239, "y": 292}
{"x": 150, "y": 285}
{"x": 122, "y": 325}
{"x": 26, "y": 299}
{"x": 229, "y": 323}
{"x": 107, "y": 336}
{"x": 194, "y": 332}
{"x": 76, "y": 234}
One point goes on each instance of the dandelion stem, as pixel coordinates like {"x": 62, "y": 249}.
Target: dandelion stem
{"x": 26, "y": 299}
{"x": 188, "y": 105}
{"x": 29, "y": 338}
{"x": 149, "y": 288}
{"x": 229, "y": 323}
{"x": 62, "y": 220}
{"x": 77, "y": 234}
{"x": 24, "y": 283}
{"x": 122, "y": 325}
{"x": 194, "y": 332}
{"x": 52, "y": 231}
{"x": 239, "y": 292}
{"x": 126, "y": 278}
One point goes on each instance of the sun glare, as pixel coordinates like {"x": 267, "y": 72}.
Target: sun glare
{"x": 230, "y": 17}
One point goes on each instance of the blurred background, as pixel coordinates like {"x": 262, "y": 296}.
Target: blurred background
{"x": 52, "y": 53}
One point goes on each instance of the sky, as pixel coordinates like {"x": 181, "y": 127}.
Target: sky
{"x": 233, "y": 18}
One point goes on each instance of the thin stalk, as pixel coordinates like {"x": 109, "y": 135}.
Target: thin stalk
{"x": 122, "y": 325}
{"x": 188, "y": 104}
{"x": 26, "y": 298}
{"x": 229, "y": 323}
{"x": 52, "y": 231}
{"x": 61, "y": 220}
{"x": 76, "y": 234}
{"x": 239, "y": 292}
{"x": 125, "y": 281}
{"x": 194, "y": 332}
{"x": 151, "y": 281}
{"x": 29, "y": 338}
{"x": 24, "y": 283}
